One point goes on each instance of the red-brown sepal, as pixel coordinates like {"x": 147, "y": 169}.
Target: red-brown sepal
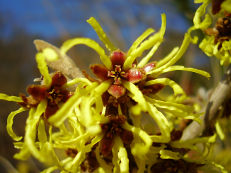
{"x": 117, "y": 57}
{"x": 58, "y": 80}
{"x": 149, "y": 67}
{"x": 135, "y": 75}
{"x": 116, "y": 90}
{"x": 37, "y": 92}
{"x": 100, "y": 71}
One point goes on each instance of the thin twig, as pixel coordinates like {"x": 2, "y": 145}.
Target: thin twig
{"x": 8, "y": 167}
{"x": 220, "y": 95}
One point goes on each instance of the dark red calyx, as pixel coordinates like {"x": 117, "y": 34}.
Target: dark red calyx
{"x": 116, "y": 123}
{"x": 136, "y": 75}
{"x": 100, "y": 71}
{"x": 71, "y": 152}
{"x": 28, "y": 102}
{"x": 106, "y": 145}
{"x": 50, "y": 110}
{"x": 176, "y": 135}
{"x": 90, "y": 164}
{"x": 116, "y": 90}
{"x": 149, "y": 67}
{"x": 155, "y": 88}
{"x": 126, "y": 136}
{"x": 216, "y": 6}
{"x": 119, "y": 119}
{"x": 118, "y": 57}
{"x": 58, "y": 80}
{"x": 37, "y": 92}
{"x": 111, "y": 129}
{"x": 223, "y": 26}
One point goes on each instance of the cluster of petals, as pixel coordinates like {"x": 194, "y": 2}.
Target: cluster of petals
{"x": 217, "y": 40}
{"x": 81, "y": 127}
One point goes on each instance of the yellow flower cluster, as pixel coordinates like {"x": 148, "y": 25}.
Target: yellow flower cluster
{"x": 98, "y": 126}
{"x": 217, "y": 40}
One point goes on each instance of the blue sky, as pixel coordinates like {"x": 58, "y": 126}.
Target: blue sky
{"x": 52, "y": 18}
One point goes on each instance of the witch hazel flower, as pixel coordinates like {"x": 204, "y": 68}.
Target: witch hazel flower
{"x": 42, "y": 103}
{"x": 217, "y": 40}
{"x": 98, "y": 124}
{"x": 108, "y": 128}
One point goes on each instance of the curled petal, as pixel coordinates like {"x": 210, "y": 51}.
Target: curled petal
{"x": 140, "y": 39}
{"x": 42, "y": 66}
{"x": 190, "y": 144}
{"x": 147, "y": 44}
{"x": 24, "y": 153}
{"x": 90, "y": 43}
{"x": 149, "y": 55}
{"x": 178, "y": 91}
{"x": 226, "y": 6}
{"x": 120, "y": 158}
{"x": 179, "y": 67}
{"x": 162, "y": 122}
{"x": 178, "y": 110}
{"x": 175, "y": 58}
{"x": 84, "y": 81}
{"x": 219, "y": 131}
{"x": 168, "y": 57}
{"x": 10, "y": 98}
{"x": 100, "y": 89}
{"x": 152, "y": 89}
{"x": 101, "y": 34}
{"x": 50, "y": 54}
{"x": 139, "y": 149}
{"x": 135, "y": 94}
{"x": 30, "y": 131}
{"x": 167, "y": 154}
{"x": 124, "y": 161}
{"x": 10, "y": 124}
{"x": 204, "y": 23}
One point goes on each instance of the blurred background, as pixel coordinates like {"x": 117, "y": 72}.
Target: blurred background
{"x": 56, "y": 21}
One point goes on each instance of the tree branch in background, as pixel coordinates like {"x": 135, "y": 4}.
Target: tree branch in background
{"x": 219, "y": 97}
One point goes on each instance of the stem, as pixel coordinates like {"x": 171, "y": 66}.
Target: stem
{"x": 220, "y": 95}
